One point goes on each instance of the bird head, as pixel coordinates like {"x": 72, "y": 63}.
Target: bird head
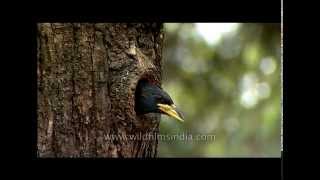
{"x": 152, "y": 99}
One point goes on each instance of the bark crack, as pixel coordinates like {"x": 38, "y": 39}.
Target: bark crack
{"x": 94, "y": 109}
{"x": 54, "y": 144}
{"x": 73, "y": 96}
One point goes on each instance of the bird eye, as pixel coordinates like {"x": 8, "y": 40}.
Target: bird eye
{"x": 159, "y": 98}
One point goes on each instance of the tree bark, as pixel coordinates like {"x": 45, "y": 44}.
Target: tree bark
{"x": 87, "y": 76}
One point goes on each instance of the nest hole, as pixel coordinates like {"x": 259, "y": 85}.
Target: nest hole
{"x": 138, "y": 92}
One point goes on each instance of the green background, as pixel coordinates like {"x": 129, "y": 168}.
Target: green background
{"x": 230, "y": 89}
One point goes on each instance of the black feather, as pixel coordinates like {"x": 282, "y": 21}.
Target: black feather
{"x": 147, "y": 97}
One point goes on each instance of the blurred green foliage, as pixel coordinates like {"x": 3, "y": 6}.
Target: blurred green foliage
{"x": 231, "y": 89}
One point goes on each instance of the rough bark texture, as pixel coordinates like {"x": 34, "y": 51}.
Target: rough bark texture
{"x": 87, "y": 75}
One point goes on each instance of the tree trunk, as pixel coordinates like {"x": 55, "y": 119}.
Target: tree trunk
{"x": 87, "y": 76}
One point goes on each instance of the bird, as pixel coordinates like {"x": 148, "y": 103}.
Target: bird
{"x": 150, "y": 98}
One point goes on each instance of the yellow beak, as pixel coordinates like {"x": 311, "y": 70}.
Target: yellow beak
{"x": 170, "y": 111}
